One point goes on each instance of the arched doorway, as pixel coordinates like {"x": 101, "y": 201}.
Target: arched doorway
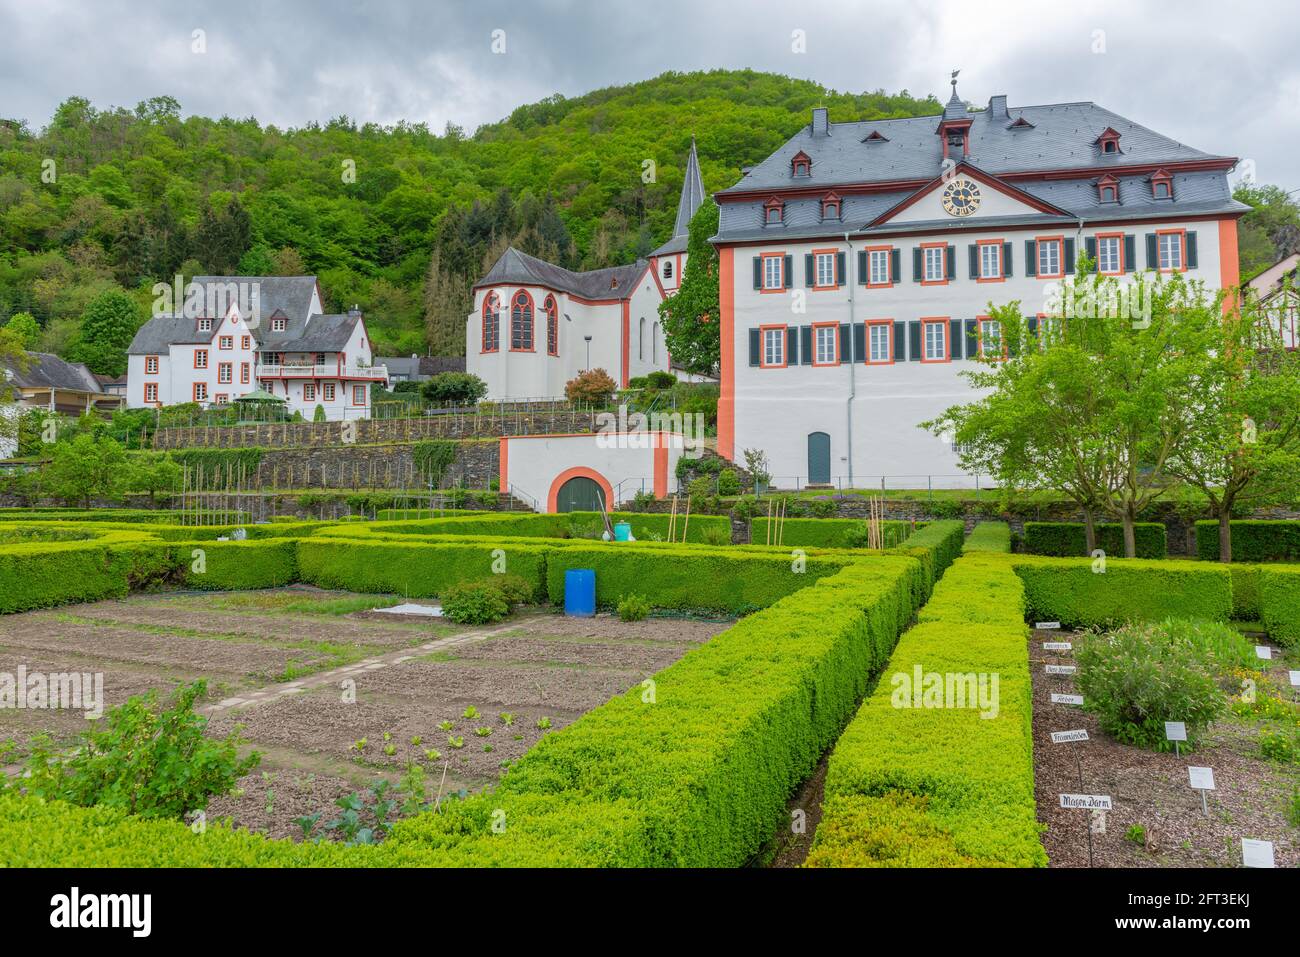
{"x": 819, "y": 458}
{"x": 580, "y": 494}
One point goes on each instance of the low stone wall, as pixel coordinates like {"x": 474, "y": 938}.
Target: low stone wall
{"x": 373, "y": 466}
{"x": 332, "y": 435}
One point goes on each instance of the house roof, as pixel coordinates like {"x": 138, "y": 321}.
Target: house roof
{"x": 688, "y": 204}
{"x": 46, "y": 371}
{"x": 421, "y": 365}
{"x": 1062, "y": 137}
{"x": 289, "y": 295}
{"x": 516, "y": 268}
{"x": 310, "y": 334}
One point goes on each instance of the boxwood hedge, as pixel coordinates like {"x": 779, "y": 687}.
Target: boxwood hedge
{"x": 988, "y": 537}
{"x": 1252, "y": 541}
{"x": 825, "y": 532}
{"x": 1067, "y": 539}
{"x": 1279, "y": 603}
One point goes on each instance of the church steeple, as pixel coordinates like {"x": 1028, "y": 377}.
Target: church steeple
{"x": 692, "y": 193}
{"x": 954, "y": 125}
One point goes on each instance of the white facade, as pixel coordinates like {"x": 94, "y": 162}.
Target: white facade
{"x": 536, "y": 467}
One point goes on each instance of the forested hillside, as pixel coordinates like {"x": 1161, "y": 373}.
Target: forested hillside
{"x": 397, "y": 219}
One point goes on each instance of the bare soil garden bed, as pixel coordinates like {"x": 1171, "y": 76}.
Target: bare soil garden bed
{"x": 1151, "y": 791}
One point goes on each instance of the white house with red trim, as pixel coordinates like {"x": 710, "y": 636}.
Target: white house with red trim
{"x": 858, "y": 262}
{"x": 536, "y": 325}
{"x": 236, "y": 334}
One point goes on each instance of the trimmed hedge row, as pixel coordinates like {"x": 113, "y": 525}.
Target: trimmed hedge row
{"x": 945, "y": 786}
{"x": 645, "y": 526}
{"x": 1075, "y": 593}
{"x": 1067, "y": 539}
{"x": 1279, "y": 603}
{"x": 824, "y": 532}
{"x": 988, "y": 537}
{"x": 1252, "y": 541}
{"x": 41, "y": 574}
{"x": 937, "y": 545}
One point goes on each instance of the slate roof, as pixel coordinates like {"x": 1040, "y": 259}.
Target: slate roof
{"x": 310, "y": 334}
{"x": 516, "y": 268}
{"x": 45, "y": 371}
{"x": 421, "y": 365}
{"x": 688, "y": 204}
{"x": 1062, "y": 137}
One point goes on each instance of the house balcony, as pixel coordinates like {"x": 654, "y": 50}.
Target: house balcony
{"x": 328, "y": 370}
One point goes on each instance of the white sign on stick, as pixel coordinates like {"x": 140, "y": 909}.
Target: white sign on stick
{"x": 1295, "y": 679}
{"x": 1065, "y": 737}
{"x": 1175, "y": 731}
{"x": 1047, "y": 625}
{"x": 1086, "y": 802}
{"x": 1060, "y": 669}
{"x": 1202, "y": 778}
{"x": 1264, "y": 652}
{"x": 1057, "y": 646}
{"x": 1256, "y": 853}
{"x": 1067, "y": 699}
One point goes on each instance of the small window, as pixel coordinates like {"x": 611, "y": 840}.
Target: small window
{"x": 552, "y": 326}
{"x": 245, "y": 342}
{"x": 668, "y": 269}
{"x": 773, "y": 267}
{"x": 226, "y": 342}
{"x": 1110, "y": 146}
{"x": 774, "y": 212}
{"x": 936, "y": 269}
{"x": 991, "y": 338}
{"x": 826, "y": 345}
{"x": 935, "y": 341}
{"x": 328, "y": 389}
{"x": 279, "y": 325}
{"x": 801, "y": 165}
{"x": 990, "y": 260}
{"x": 200, "y": 358}
{"x": 1109, "y": 194}
{"x": 1162, "y": 185}
{"x": 308, "y": 392}
{"x": 878, "y": 261}
{"x": 320, "y": 358}
{"x": 200, "y": 392}
{"x": 358, "y": 395}
{"x": 1109, "y": 255}
{"x": 1049, "y": 258}
{"x": 491, "y": 322}
{"x": 205, "y": 325}
{"x": 221, "y": 398}
{"x": 225, "y": 373}
{"x": 831, "y": 207}
{"x": 640, "y": 340}
{"x": 1171, "y": 252}
{"x": 774, "y": 346}
{"x": 151, "y": 365}
{"x": 879, "y": 336}
{"x": 243, "y": 373}
{"x": 824, "y": 270}
{"x": 151, "y": 391}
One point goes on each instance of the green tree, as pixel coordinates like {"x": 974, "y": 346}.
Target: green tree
{"x": 107, "y": 328}
{"x": 1270, "y": 231}
{"x": 25, "y": 328}
{"x": 155, "y": 474}
{"x": 459, "y": 388}
{"x": 690, "y": 317}
{"x": 86, "y": 467}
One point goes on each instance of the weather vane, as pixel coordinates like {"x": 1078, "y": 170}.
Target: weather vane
{"x": 954, "y": 80}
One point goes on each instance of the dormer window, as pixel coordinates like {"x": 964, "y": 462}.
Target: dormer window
{"x": 801, "y": 164}
{"x": 831, "y": 206}
{"x": 205, "y": 325}
{"x": 1162, "y": 185}
{"x": 875, "y": 136}
{"x": 279, "y": 325}
{"x": 1108, "y": 189}
{"x": 1108, "y": 142}
{"x": 1020, "y": 124}
{"x": 773, "y": 212}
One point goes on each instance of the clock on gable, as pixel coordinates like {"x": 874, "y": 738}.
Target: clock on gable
{"x": 961, "y": 197}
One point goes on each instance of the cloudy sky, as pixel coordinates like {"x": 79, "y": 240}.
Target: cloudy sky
{"x": 1224, "y": 78}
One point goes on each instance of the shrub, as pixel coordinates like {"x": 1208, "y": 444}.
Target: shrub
{"x": 728, "y": 483}
{"x": 1279, "y": 603}
{"x": 515, "y": 589}
{"x": 592, "y": 387}
{"x": 660, "y": 379}
{"x": 1139, "y": 676}
{"x": 475, "y": 603}
{"x": 988, "y": 537}
{"x": 633, "y": 608}
{"x": 147, "y": 760}
{"x": 826, "y": 532}
{"x": 454, "y": 388}
{"x": 1252, "y": 541}
{"x": 1067, "y": 539}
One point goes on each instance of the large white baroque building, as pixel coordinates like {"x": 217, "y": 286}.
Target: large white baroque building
{"x": 536, "y": 325}
{"x": 268, "y": 333}
{"x": 858, "y": 261}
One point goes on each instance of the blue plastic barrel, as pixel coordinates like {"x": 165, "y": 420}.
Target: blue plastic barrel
{"x": 622, "y": 531}
{"x": 580, "y": 592}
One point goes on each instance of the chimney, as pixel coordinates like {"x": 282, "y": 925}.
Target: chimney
{"x": 820, "y": 122}
{"x": 998, "y": 108}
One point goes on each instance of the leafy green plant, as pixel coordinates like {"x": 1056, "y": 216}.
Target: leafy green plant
{"x": 713, "y": 535}
{"x": 728, "y": 483}
{"x": 470, "y": 713}
{"x": 1139, "y": 676}
{"x": 482, "y": 732}
{"x": 543, "y": 723}
{"x": 474, "y": 603}
{"x": 1293, "y": 808}
{"x": 507, "y": 718}
{"x": 1136, "y": 834}
{"x": 445, "y": 725}
{"x": 432, "y": 754}
{"x": 148, "y": 760}
{"x": 455, "y": 741}
{"x": 1280, "y": 746}
{"x": 633, "y": 607}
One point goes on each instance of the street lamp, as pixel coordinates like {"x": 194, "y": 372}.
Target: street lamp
{"x": 588, "y": 339}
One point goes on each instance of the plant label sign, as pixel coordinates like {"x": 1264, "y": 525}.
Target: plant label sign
{"x": 1295, "y": 679}
{"x": 1047, "y": 625}
{"x": 1264, "y": 652}
{"x": 1067, "y": 699}
{"x": 1175, "y": 731}
{"x": 1057, "y": 646}
{"x": 1065, "y": 737}
{"x": 1256, "y": 853}
{"x": 1086, "y": 802}
{"x": 1060, "y": 669}
{"x": 1202, "y": 778}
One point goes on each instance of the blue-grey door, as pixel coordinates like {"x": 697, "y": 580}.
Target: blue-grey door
{"x": 819, "y": 458}
{"x": 580, "y": 494}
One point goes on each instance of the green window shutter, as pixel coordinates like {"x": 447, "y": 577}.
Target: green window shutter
{"x": 758, "y": 272}
{"x": 841, "y": 267}
{"x": 1153, "y": 253}
{"x": 792, "y": 345}
{"x": 895, "y": 265}
{"x": 914, "y": 340}
{"x": 862, "y": 266}
{"x": 952, "y": 262}
{"x": 900, "y": 331}
{"x": 809, "y": 276}
{"x": 1191, "y": 249}
{"x": 805, "y": 345}
{"x": 1130, "y": 253}
{"x": 916, "y": 264}
{"x": 955, "y": 338}
{"x": 1068, "y": 253}
{"x": 755, "y": 347}
{"x": 972, "y": 338}
{"x": 1090, "y": 246}
{"x": 1031, "y": 257}
{"x": 1006, "y": 259}
{"x": 859, "y": 341}
{"x": 787, "y": 270}
{"x": 974, "y": 251}
{"x": 846, "y": 342}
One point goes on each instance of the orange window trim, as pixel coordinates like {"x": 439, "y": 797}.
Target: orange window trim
{"x": 834, "y": 254}
{"x": 979, "y": 327}
{"x": 1182, "y": 249}
{"x": 943, "y": 259}
{"x": 1120, "y": 241}
{"x": 1060, "y": 257}
{"x": 979, "y": 261}
{"x": 762, "y": 347}
{"x": 762, "y": 273}
{"x": 889, "y": 351}
{"x": 835, "y": 340}
{"x": 941, "y": 321}
{"x": 889, "y": 266}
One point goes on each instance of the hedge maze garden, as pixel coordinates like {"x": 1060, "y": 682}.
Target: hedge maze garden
{"x": 677, "y": 741}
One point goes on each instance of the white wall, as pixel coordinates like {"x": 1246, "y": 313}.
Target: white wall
{"x": 629, "y": 462}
